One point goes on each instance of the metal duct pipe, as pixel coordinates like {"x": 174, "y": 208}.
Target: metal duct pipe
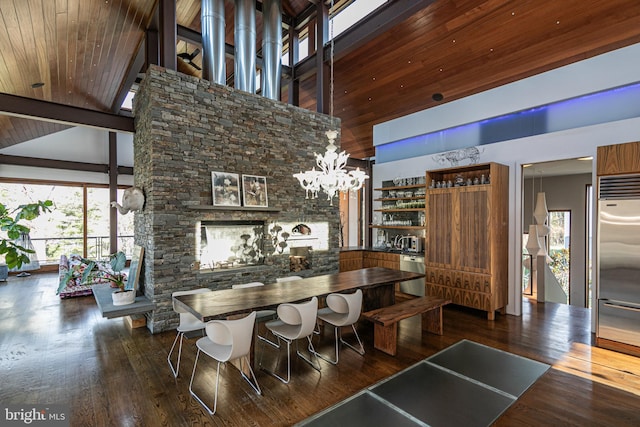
{"x": 245, "y": 46}
{"x": 271, "y": 48}
{"x": 213, "y": 41}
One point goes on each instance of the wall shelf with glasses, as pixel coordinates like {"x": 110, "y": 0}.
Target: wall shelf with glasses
{"x": 401, "y": 208}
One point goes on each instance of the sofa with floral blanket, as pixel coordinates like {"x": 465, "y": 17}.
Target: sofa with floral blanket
{"x": 71, "y": 270}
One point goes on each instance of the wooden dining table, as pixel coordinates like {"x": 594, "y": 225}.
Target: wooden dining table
{"x": 377, "y": 284}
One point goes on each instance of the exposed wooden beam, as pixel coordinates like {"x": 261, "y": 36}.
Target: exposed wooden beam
{"x": 322, "y": 68}
{"x": 167, "y": 11}
{"x": 136, "y": 67}
{"x": 61, "y": 164}
{"x": 294, "y": 85}
{"x": 18, "y": 106}
{"x": 113, "y": 191}
{"x": 305, "y": 17}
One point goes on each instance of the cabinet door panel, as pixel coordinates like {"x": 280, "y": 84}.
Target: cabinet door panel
{"x": 379, "y": 259}
{"x": 439, "y": 228}
{"x": 475, "y": 226}
{"x": 458, "y": 296}
{"x": 459, "y": 279}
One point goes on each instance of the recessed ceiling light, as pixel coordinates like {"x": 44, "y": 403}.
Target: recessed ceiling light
{"x": 37, "y": 85}
{"x": 437, "y": 96}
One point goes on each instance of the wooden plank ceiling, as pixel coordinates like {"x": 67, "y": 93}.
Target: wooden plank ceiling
{"x": 82, "y": 50}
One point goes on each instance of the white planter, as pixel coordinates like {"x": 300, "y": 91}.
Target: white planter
{"x": 124, "y": 297}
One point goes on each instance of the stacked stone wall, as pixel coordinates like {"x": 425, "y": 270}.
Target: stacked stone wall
{"x": 185, "y": 129}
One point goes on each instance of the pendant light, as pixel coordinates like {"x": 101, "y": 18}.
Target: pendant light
{"x": 332, "y": 177}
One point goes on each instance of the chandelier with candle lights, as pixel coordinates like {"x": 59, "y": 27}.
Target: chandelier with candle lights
{"x": 331, "y": 176}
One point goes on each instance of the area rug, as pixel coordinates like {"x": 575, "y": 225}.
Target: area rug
{"x": 466, "y": 384}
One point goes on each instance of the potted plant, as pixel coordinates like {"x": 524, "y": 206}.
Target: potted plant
{"x": 11, "y": 225}
{"x": 116, "y": 277}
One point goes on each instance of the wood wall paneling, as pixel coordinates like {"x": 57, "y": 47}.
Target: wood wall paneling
{"x": 618, "y": 159}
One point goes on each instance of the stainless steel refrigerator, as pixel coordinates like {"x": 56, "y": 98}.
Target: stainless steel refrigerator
{"x": 619, "y": 259}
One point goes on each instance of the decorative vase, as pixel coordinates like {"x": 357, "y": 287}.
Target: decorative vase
{"x": 123, "y": 297}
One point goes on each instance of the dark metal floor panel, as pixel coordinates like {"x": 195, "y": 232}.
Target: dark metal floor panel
{"x": 362, "y": 410}
{"x": 439, "y": 398}
{"x": 505, "y": 371}
{"x": 467, "y": 384}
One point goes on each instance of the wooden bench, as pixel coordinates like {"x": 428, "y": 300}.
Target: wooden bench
{"x": 385, "y": 320}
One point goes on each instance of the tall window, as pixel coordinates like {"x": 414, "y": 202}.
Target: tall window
{"x": 78, "y": 223}
{"x": 560, "y": 247}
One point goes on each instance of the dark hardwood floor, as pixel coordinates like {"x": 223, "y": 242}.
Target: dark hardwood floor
{"x": 54, "y": 351}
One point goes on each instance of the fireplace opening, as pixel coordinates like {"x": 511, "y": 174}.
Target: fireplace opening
{"x": 300, "y": 258}
{"x": 231, "y": 244}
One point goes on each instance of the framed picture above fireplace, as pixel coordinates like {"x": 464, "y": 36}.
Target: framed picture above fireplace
{"x": 254, "y": 191}
{"x": 225, "y": 188}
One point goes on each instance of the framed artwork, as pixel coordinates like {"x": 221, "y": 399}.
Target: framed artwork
{"x": 134, "y": 267}
{"x": 225, "y": 187}
{"x": 254, "y": 191}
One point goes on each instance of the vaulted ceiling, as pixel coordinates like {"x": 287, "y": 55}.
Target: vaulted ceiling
{"x": 84, "y": 51}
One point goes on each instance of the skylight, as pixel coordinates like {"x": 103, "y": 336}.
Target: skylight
{"x": 353, "y": 13}
{"x": 345, "y": 19}
{"x": 127, "y": 104}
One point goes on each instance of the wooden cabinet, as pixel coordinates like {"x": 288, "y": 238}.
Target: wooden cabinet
{"x": 380, "y": 259}
{"x": 350, "y": 260}
{"x": 466, "y": 245}
{"x": 355, "y": 260}
{"x": 619, "y": 159}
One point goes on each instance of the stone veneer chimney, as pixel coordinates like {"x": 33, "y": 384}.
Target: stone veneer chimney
{"x": 185, "y": 129}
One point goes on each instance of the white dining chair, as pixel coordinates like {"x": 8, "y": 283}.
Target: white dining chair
{"x": 291, "y": 279}
{"x": 342, "y": 310}
{"x": 227, "y": 340}
{"x": 188, "y": 323}
{"x": 295, "y": 321}
{"x": 261, "y": 315}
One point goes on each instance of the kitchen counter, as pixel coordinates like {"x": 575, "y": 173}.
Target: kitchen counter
{"x": 377, "y": 249}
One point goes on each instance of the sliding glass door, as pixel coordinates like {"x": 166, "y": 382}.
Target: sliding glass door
{"x": 78, "y": 223}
